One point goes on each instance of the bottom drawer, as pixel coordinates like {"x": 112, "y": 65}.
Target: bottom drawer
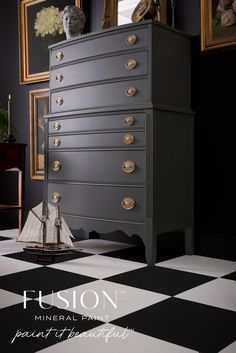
{"x": 105, "y": 202}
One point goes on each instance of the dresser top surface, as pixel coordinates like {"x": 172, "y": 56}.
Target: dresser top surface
{"x": 116, "y": 29}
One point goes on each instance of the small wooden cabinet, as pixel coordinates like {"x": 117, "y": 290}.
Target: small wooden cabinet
{"x": 12, "y": 158}
{"x": 120, "y": 132}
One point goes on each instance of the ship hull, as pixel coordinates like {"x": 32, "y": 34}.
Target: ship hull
{"x": 43, "y": 251}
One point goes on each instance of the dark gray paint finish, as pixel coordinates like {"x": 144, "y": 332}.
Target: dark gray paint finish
{"x": 95, "y": 44}
{"x": 97, "y": 122}
{"x": 99, "y": 140}
{"x": 166, "y": 153}
{"x": 102, "y": 226}
{"x": 106, "y": 68}
{"x": 100, "y": 95}
{"x": 98, "y": 201}
{"x": 166, "y": 49}
{"x": 171, "y": 68}
{"x": 174, "y": 170}
{"x": 98, "y": 166}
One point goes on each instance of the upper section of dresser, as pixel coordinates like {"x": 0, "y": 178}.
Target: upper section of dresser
{"x": 131, "y": 65}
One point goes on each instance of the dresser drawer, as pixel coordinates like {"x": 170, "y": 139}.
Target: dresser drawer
{"x": 119, "y": 66}
{"x": 124, "y": 121}
{"x": 97, "y": 96}
{"x": 119, "y": 140}
{"x": 94, "y": 45}
{"x": 103, "y": 202}
{"x": 98, "y": 166}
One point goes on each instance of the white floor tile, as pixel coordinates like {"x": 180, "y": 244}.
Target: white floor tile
{"x": 132, "y": 342}
{"x": 92, "y": 303}
{"x": 98, "y": 266}
{"x": 10, "y": 233}
{"x": 220, "y": 293}
{"x": 9, "y": 298}
{"x": 9, "y": 266}
{"x": 199, "y": 264}
{"x": 99, "y": 246}
{"x": 10, "y": 246}
{"x": 230, "y": 349}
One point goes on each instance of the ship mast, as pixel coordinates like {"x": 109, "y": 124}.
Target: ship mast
{"x": 44, "y": 221}
{"x": 58, "y": 225}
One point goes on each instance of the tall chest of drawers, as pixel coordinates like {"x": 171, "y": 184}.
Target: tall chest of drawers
{"x": 120, "y": 133}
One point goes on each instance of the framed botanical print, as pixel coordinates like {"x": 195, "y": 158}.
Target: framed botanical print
{"x": 40, "y": 25}
{"x": 218, "y": 24}
{"x": 39, "y": 105}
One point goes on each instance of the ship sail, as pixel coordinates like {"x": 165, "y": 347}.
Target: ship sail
{"x": 33, "y": 228}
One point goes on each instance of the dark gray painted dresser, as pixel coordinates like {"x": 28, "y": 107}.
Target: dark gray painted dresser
{"x": 120, "y": 132}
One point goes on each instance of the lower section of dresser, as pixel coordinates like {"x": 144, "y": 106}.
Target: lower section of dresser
{"x": 148, "y": 232}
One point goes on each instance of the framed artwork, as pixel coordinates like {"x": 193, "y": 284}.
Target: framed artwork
{"x": 218, "y": 24}
{"x": 39, "y": 105}
{"x": 118, "y": 12}
{"x": 40, "y": 25}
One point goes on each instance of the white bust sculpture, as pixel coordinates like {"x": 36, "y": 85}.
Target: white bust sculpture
{"x": 73, "y": 20}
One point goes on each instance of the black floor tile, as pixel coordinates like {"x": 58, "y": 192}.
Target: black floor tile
{"x": 4, "y": 238}
{"x": 203, "y": 328}
{"x": 45, "y": 279}
{"x": 161, "y": 280}
{"x": 46, "y": 260}
{"x": 134, "y": 253}
{"x": 18, "y": 320}
{"x": 231, "y": 276}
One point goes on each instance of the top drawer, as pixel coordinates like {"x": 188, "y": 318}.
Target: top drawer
{"x": 90, "y": 46}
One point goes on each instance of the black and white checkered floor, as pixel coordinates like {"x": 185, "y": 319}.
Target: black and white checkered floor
{"x": 98, "y": 301}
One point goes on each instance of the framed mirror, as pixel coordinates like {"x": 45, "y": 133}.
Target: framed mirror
{"x": 119, "y": 12}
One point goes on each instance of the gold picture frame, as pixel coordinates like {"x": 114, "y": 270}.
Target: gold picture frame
{"x": 110, "y": 12}
{"x": 34, "y": 38}
{"x": 39, "y": 106}
{"x": 218, "y": 25}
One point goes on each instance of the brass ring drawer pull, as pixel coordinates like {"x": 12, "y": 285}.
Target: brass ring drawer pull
{"x": 128, "y": 139}
{"x": 57, "y": 142}
{"x": 131, "y": 91}
{"x": 131, "y": 64}
{"x": 132, "y": 39}
{"x": 55, "y": 197}
{"x": 59, "y": 77}
{"x": 59, "y": 100}
{"x": 128, "y": 203}
{"x": 59, "y": 56}
{"x": 128, "y": 166}
{"x": 129, "y": 120}
{"x": 57, "y": 126}
{"x": 56, "y": 166}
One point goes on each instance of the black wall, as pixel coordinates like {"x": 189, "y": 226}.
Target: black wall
{"x": 9, "y": 83}
{"x": 212, "y": 100}
{"x": 215, "y": 144}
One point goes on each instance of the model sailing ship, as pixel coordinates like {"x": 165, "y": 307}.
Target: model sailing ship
{"x": 46, "y": 231}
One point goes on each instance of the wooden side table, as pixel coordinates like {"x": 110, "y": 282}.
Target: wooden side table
{"x": 12, "y": 158}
